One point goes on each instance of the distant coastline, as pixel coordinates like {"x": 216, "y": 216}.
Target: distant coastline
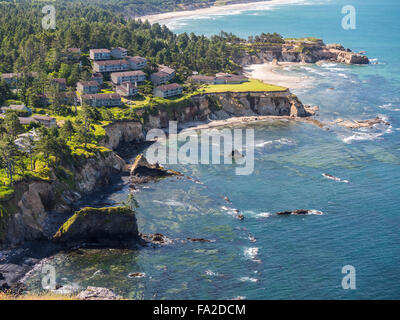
{"x": 163, "y": 18}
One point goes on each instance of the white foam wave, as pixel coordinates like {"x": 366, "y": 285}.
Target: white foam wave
{"x": 171, "y": 203}
{"x": 248, "y": 279}
{"x": 251, "y": 253}
{"x": 370, "y": 134}
{"x": 328, "y": 176}
{"x": 315, "y": 212}
{"x": 283, "y": 141}
{"x": 264, "y": 215}
{"x": 389, "y": 106}
{"x": 213, "y": 274}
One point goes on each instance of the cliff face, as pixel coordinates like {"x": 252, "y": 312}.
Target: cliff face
{"x": 204, "y": 107}
{"x": 308, "y": 52}
{"x": 25, "y": 215}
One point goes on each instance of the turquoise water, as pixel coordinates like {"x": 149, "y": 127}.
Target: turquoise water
{"x": 296, "y": 257}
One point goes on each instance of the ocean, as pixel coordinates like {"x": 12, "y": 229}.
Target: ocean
{"x": 268, "y": 256}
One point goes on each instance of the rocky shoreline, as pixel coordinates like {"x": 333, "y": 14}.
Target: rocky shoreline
{"x": 39, "y": 208}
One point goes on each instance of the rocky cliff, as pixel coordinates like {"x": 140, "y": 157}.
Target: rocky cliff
{"x": 25, "y": 216}
{"x": 207, "y": 107}
{"x": 299, "y": 51}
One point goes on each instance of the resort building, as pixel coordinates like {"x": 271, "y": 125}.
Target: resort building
{"x": 86, "y": 87}
{"x": 226, "y": 78}
{"x": 73, "y": 54}
{"x": 220, "y": 78}
{"x": 18, "y": 108}
{"x": 127, "y": 89}
{"x": 200, "y": 79}
{"x": 168, "y": 90}
{"x": 74, "y": 50}
{"x": 60, "y": 82}
{"x": 102, "y": 100}
{"x": 98, "y": 77}
{"x": 128, "y": 76}
{"x": 119, "y": 53}
{"x": 100, "y": 54}
{"x": 163, "y": 75}
{"x": 137, "y": 63}
{"x": 110, "y": 66}
{"x": 12, "y": 78}
{"x": 69, "y": 98}
{"x": 47, "y": 121}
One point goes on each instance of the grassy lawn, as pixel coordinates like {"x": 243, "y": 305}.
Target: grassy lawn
{"x": 252, "y": 85}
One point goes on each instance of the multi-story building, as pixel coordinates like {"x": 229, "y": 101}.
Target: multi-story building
{"x": 60, "y": 82}
{"x": 12, "y": 78}
{"x": 128, "y": 76}
{"x": 110, "y": 66}
{"x": 100, "y": 54}
{"x": 137, "y": 63}
{"x": 17, "y": 108}
{"x": 163, "y": 75}
{"x": 119, "y": 53}
{"x": 47, "y": 121}
{"x": 127, "y": 89}
{"x": 200, "y": 79}
{"x": 220, "y": 78}
{"x": 98, "y": 77}
{"x": 168, "y": 90}
{"x": 73, "y": 54}
{"x": 226, "y": 78}
{"x": 102, "y": 100}
{"x": 86, "y": 87}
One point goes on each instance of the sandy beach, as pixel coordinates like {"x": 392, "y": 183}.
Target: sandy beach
{"x": 163, "y": 18}
{"x": 269, "y": 73}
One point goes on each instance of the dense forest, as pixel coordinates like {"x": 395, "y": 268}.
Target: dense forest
{"x": 139, "y": 7}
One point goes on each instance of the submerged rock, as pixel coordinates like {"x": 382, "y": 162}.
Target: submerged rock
{"x": 97, "y": 293}
{"x": 111, "y": 226}
{"x": 156, "y": 238}
{"x": 356, "y": 124}
{"x": 199, "y": 240}
{"x": 298, "y": 212}
{"x": 236, "y": 154}
{"x": 136, "y": 275}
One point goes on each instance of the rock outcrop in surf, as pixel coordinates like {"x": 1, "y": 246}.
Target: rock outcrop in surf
{"x": 114, "y": 226}
{"x": 142, "y": 171}
{"x": 299, "y": 212}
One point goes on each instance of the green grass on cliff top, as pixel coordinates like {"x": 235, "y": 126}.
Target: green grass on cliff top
{"x": 251, "y": 86}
